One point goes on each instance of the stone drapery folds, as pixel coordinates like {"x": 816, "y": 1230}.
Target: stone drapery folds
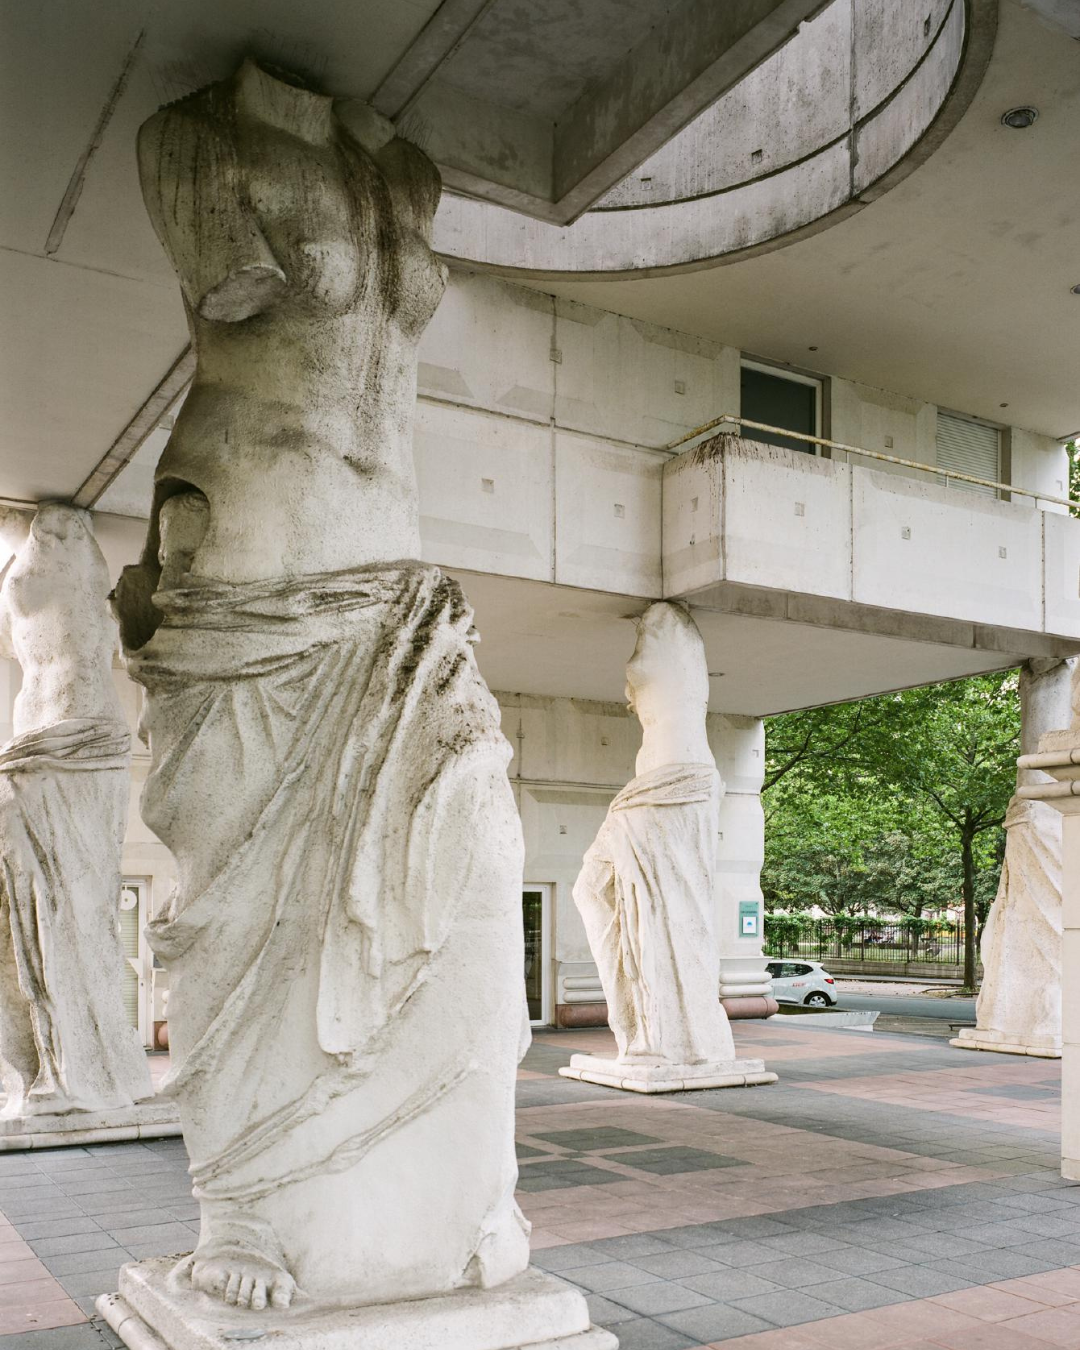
{"x": 65, "y": 1041}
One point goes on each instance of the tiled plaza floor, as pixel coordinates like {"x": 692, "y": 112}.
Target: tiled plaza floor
{"x": 889, "y": 1193}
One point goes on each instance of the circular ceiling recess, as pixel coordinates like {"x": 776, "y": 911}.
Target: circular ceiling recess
{"x": 862, "y": 94}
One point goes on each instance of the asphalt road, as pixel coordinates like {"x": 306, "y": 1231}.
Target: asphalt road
{"x": 946, "y": 1009}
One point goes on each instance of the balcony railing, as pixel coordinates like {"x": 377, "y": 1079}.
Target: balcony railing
{"x": 949, "y": 475}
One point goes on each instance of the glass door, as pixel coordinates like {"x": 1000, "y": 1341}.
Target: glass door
{"x": 535, "y": 905}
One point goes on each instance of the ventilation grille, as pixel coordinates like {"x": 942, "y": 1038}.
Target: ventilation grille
{"x": 968, "y": 447}
{"x": 129, "y": 940}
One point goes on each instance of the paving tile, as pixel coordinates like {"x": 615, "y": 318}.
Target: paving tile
{"x": 72, "y": 1262}
{"x": 557, "y": 1259}
{"x": 607, "y": 1276}
{"x": 724, "y": 1285}
{"x": 631, "y": 1245}
{"x": 988, "y": 1304}
{"x": 645, "y": 1334}
{"x": 670, "y": 1161}
{"x": 790, "y": 1307}
{"x": 73, "y": 1242}
{"x": 605, "y": 1313}
{"x": 715, "y": 1323}
{"x": 856, "y": 1295}
{"x": 919, "y": 1281}
{"x": 676, "y": 1265}
{"x": 1059, "y": 1326}
{"x": 858, "y": 1261}
{"x": 662, "y": 1296}
{"x": 86, "y": 1282}
{"x": 596, "y": 1139}
{"x": 989, "y": 1336}
{"x": 793, "y": 1272}
{"x": 739, "y": 1253}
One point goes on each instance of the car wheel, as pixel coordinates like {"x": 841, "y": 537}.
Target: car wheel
{"x": 816, "y": 1000}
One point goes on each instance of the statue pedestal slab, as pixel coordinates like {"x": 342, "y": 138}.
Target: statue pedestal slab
{"x": 668, "y": 1077}
{"x": 145, "y": 1120}
{"x": 978, "y": 1038}
{"x": 154, "y": 1311}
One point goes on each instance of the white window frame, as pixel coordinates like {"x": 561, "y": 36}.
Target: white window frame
{"x": 817, "y": 382}
{"x": 547, "y": 962}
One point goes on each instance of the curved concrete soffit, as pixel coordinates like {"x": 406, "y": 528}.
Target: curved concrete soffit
{"x": 910, "y": 118}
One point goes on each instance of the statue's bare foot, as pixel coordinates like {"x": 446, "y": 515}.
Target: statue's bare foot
{"x": 243, "y": 1279}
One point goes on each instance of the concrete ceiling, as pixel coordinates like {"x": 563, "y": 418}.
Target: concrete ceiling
{"x": 954, "y": 287}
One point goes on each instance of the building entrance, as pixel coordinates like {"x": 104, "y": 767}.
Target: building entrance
{"x": 535, "y": 913}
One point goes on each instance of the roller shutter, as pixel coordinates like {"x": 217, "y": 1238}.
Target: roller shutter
{"x": 969, "y": 447}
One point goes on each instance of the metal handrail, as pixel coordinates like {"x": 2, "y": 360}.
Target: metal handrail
{"x": 730, "y": 419}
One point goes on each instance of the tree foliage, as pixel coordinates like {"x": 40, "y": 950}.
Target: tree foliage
{"x": 893, "y": 805}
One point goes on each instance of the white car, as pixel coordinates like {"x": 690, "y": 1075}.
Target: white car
{"x": 802, "y": 982}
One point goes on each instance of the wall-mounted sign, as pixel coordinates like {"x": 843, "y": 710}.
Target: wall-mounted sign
{"x": 749, "y": 918}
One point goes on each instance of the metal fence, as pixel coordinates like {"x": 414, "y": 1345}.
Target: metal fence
{"x": 872, "y": 940}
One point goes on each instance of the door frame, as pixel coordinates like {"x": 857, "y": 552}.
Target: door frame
{"x": 141, "y": 964}
{"x": 546, "y": 889}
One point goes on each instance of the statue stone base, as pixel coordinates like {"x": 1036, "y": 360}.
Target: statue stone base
{"x": 142, "y": 1120}
{"x": 534, "y": 1310}
{"x": 667, "y": 1077}
{"x": 978, "y": 1038}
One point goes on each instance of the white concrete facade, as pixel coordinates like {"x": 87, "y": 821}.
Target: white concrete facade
{"x": 541, "y": 427}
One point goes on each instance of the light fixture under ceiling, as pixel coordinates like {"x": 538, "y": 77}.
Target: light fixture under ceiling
{"x": 1019, "y": 118}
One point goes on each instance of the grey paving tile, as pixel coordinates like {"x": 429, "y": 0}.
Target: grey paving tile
{"x": 789, "y": 1308}
{"x": 72, "y": 1242}
{"x": 69, "y": 1263}
{"x": 163, "y": 1246}
{"x": 609, "y": 1275}
{"x": 672, "y": 1161}
{"x": 604, "y": 1136}
{"x": 919, "y": 1249}
{"x": 644, "y": 1334}
{"x": 150, "y": 1233}
{"x": 859, "y": 1261}
{"x": 724, "y": 1285}
{"x": 793, "y": 1272}
{"x": 1062, "y": 1253}
{"x": 706, "y": 1325}
{"x": 604, "y": 1313}
{"x": 677, "y": 1264}
{"x": 558, "y": 1259}
{"x": 997, "y": 1235}
{"x": 858, "y": 1295}
{"x": 42, "y": 1228}
{"x": 83, "y": 1337}
{"x": 739, "y": 1253}
{"x": 662, "y": 1296}
{"x": 92, "y": 1282}
{"x": 920, "y": 1281}
{"x": 632, "y": 1244}
{"x": 803, "y": 1243}
{"x": 695, "y": 1235}
{"x": 1049, "y": 1225}
{"x": 754, "y": 1227}
{"x": 1010, "y": 1264}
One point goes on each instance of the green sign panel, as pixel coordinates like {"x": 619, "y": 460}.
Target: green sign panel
{"x": 749, "y": 918}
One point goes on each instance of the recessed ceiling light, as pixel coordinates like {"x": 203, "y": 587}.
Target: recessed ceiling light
{"x": 716, "y": 674}
{"x": 1076, "y": 289}
{"x": 1019, "y": 118}
{"x": 1003, "y": 405}
{"x": 811, "y": 349}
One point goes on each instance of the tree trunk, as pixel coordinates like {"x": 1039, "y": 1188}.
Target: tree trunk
{"x": 967, "y": 854}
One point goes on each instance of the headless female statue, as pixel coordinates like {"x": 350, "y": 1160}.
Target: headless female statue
{"x": 65, "y": 1042}
{"x": 344, "y": 943}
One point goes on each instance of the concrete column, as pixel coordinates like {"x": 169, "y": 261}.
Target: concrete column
{"x": 738, "y": 743}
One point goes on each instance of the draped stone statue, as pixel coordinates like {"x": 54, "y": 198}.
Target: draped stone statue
{"x": 646, "y": 889}
{"x": 344, "y": 944}
{"x": 65, "y": 1043}
{"x": 1019, "y": 1006}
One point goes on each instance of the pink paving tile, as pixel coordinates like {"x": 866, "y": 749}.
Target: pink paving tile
{"x": 1038, "y": 1293}
{"x": 1065, "y": 1282}
{"x": 853, "y": 1331}
{"x": 785, "y": 1338}
{"x": 922, "y": 1318}
{"x": 989, "y": 1336}
{"x": 1056, "y": 1326}
{"x": 41, "y": 1316}
{"x": 989, "y": 1304}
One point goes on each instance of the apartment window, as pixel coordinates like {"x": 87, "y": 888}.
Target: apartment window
{"x": 782, "y": 399}
{"x": 968, "y": 446}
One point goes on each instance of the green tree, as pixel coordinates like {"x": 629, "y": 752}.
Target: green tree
{"x": 932, "y": 767}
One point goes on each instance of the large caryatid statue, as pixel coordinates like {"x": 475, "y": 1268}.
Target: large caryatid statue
{"x": 646, "y": 892}
{"x": 66, "y": 1045}
{"x": 344, "y": 943}
{"x": 1019, "y": 1005}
